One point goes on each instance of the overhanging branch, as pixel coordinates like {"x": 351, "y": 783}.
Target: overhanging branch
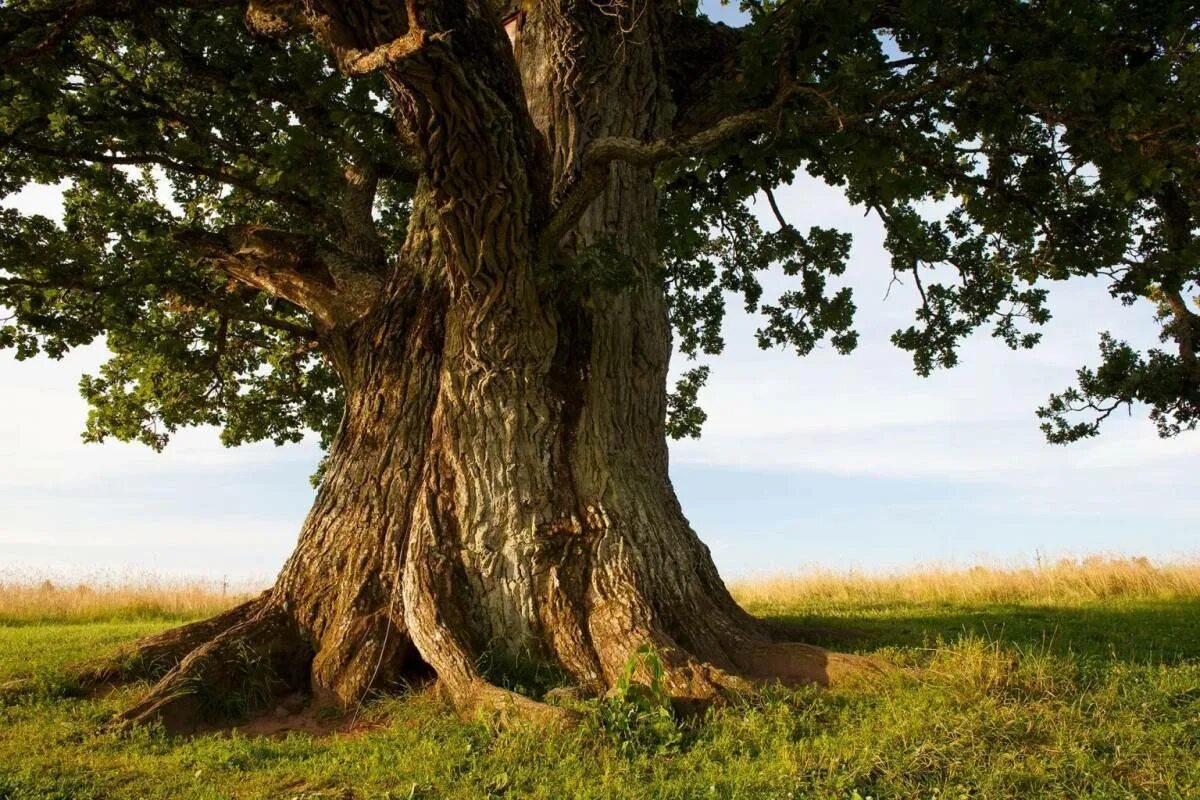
{"x": 705, "y": 70}
{"x": 356, "y": 63}
{"x": 190, "y": 296}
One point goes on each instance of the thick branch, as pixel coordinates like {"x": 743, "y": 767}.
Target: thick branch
{"x": 232, "y": 310}
{"x": 243, "y": 314}
{"x": 363, "y": 62}
{"x": 366, "y": 40}
{"x": 287, "y": 266}
{"x": 1186, "y": 327}
{"x": 602, "y": 153}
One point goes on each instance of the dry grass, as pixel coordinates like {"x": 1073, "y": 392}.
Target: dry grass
{"x": 108, "y": 598}
{"x": 103, "y": 598}
{"x": 1067, "y": 580}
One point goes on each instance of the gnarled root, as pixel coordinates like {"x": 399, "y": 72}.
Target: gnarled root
{"x": 255, "y": 653}
{"x": 153, "y": 656}
{"x": 506, "y": 708}
{"x": 704, "y": 648}
{"x": 694, "y": 683}
{"x": 240, "y": 668}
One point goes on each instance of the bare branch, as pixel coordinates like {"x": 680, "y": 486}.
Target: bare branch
{"x": 783, "y": 223}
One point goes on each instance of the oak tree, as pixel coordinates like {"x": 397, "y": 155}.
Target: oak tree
{"x": 458, "y": 239}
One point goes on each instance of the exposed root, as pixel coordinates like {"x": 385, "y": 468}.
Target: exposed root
{"x": 17, "y": 687}
{"x": 362, "y": 653}
{"x": 153, "y": 656}
{"x": 255, "y": 653}
{"x": 507, "y": 708}
{"x": 796, "y": 663}
{"x": 690, "y": 681}
{"x": 246, "y": 658}
{"x": 242, "y": 668}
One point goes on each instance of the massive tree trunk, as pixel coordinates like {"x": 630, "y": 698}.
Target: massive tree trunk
{"x": 499, "y": 484}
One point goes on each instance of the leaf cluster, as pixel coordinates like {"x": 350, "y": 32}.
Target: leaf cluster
{"x": 164, "y": 126}
{"x": 1003, "y": 146}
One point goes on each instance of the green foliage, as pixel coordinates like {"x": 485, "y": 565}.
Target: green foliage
{"x": 713, "y": 246}
{"x": 1124, "y": 377}
{"x": 684, "y": 415}
{"x": 165, "y": 125}
{"x": 1004, "y": 146}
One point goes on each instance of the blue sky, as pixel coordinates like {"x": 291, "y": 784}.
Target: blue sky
{"x": 828, "y": 461}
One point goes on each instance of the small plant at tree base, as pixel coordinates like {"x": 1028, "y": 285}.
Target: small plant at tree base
{"x": 638, "y": 716}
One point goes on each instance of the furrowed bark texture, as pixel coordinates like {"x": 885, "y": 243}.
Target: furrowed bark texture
{"x": 499, "y": 484}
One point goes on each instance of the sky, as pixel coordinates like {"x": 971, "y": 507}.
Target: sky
{"x": 828, "y": 461}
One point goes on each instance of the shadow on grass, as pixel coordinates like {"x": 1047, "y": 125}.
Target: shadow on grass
{"x": 1145, "y": 632}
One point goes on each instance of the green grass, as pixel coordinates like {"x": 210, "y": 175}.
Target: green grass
{"x": 1074, "y": 699}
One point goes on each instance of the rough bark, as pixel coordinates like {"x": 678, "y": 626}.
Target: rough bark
{"x": 499, "y": 484}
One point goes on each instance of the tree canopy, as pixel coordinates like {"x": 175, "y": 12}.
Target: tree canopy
{"x": 232, "y": 191}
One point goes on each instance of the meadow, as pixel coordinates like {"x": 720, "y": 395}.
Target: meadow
{"x": 1076, "y": 679}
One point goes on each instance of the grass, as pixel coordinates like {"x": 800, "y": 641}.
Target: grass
{"x": 113, "y": 598}
{"x": 1097, "y": 578}
{"x": 1076, "y": 680}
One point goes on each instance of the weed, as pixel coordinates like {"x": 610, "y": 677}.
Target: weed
{"x": 637, "y": 715}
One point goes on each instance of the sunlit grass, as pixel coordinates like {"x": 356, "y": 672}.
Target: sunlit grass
{"x": 26, "y": 599}
{"x": 1069, "y": 680}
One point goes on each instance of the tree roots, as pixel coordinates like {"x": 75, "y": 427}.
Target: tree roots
{"x": 243, "y": 660}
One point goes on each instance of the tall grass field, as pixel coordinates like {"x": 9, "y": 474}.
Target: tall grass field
{"x": 1075, "y": 679}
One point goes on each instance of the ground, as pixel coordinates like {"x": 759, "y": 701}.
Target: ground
{"x": 1048, "y": 692}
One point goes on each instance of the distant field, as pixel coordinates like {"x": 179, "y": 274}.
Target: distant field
{"x": 1068, "y": 680}
{"x": 116, "y": 598}
{"x": 1066, "y": 580}
{"x": 120, "y": 598}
